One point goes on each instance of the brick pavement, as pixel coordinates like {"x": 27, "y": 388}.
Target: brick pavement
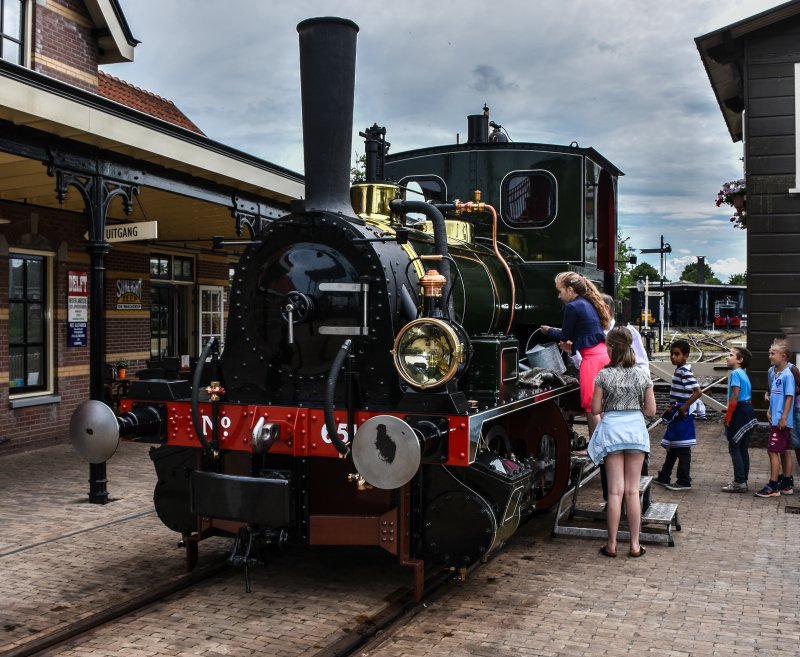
{"x": 727, "y": 588}
{"x": 61, "y": 559}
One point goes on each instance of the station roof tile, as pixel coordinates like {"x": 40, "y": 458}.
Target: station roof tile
{"x": 145, "y": 101}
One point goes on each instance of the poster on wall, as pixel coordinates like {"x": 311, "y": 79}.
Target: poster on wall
{"x": 77, "y": 308}
{"x": 129, "y": 294}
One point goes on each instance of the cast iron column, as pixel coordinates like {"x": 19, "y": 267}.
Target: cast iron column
{"x": 97, "y": 192}
{"x": 97, "y": 249}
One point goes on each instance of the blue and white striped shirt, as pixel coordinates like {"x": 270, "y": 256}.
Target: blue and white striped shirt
{"x": 683, "y": 384}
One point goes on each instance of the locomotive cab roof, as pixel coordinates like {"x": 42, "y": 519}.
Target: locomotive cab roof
{"x": 500, "y": 146}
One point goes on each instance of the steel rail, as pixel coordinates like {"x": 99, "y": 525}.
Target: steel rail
{"x": 85, "y": 625}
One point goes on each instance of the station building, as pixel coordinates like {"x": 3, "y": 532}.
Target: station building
{"x": 85, "y": 158}
{"x": 754, "y": 70}
{"x": 688, "y": 304}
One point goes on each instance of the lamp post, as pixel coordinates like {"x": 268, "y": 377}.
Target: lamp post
{"x": 644, "y": 287}
{"x": 662, "y": 250}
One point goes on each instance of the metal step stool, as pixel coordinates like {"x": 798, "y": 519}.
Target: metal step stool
{"x": 664, "y": 514}
{"x": 657, "y": 513}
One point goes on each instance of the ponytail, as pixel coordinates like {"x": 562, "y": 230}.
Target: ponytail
{"x": 585, "y": 288}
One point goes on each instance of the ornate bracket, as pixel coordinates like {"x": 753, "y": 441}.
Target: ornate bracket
{"x": 97, "y": 192}
{"x": 253, "y": 222}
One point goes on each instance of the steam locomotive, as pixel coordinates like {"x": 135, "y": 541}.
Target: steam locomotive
{"x": 371, "y": 389}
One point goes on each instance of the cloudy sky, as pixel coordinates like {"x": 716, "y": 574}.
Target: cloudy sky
{"x": 622, "y": 76}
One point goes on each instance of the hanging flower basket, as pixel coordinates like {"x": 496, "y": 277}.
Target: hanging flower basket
{"x": 734, "y": 193}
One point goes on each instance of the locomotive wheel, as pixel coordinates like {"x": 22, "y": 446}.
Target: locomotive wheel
{"x": 497, "y": 441}
{"x": 542, "y": 432}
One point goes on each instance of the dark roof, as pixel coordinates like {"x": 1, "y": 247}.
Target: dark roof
{"x": 140, "y": 99}
{"x": 721, "y": 53}
{"x": 508, "y": 145}
{"x": 685, "y": 285}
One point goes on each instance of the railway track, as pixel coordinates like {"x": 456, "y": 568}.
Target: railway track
{"x": 148, "y": 607}
{"x": 115, "y": 612}
{"x": 707, "y": 346}
{"x": 126, "y": 610}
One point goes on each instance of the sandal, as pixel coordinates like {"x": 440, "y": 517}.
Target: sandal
{"x": 608, "y": 553}
{"x": 640, "y": 553}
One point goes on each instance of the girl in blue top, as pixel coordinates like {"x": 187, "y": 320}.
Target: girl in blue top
{"x": 585, "y": 317}
{"x": 740, "y": 420}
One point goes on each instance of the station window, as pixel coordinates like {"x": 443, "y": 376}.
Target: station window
{"x": 28, "y": 317}
{"x": 12, "y": 27}
{"x": 171, "y": 278}
{"x": 183, "y": 268}
{"x": 165, "y": 267}
{"x": 211, "y": 320}
{"x": 529, "y": 198}
{"x": 161, "y": 267}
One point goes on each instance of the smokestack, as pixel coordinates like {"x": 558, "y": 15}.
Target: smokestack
{"x": 477, "y": 128}
{"x": 327, "y": 84}
{"x": 701, "y": 269}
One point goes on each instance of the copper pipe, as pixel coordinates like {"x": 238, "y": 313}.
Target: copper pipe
{"x": 478, "y": 207}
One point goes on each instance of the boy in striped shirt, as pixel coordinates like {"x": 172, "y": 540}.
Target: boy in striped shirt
{"x": 679, "y": 438}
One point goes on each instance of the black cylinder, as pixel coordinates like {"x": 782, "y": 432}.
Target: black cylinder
{"x": 327, "y": 84}
{"x": 141, "y": 422}
{"x": 477, "y": 128}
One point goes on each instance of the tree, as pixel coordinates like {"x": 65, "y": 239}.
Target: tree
{"x": 625, "y": 252}
{"x": 645, "y": 269}
{"x": 738, "y": 279}
{"x": 357, "y": 173}
{"x": 689, "y": 274}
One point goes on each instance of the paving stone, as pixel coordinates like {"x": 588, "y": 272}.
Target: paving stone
{"x": 727, "y": 588}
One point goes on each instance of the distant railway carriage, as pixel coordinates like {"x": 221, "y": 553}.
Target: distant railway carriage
{"x": 727, "y": 314}
{"x": 370, "y": 388}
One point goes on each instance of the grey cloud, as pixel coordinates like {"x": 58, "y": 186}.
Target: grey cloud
{"x": 488, "y": 78}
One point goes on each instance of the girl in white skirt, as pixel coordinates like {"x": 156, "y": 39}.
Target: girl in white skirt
{"x": 622, "y": 392}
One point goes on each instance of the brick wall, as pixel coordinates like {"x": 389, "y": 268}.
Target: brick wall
{"x": 127, "y": 331}
{"x": 64, "y": 46}
{"x": 55, "y": 233}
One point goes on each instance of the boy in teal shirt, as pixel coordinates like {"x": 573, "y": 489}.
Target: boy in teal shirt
{"x": 779, "y": 416}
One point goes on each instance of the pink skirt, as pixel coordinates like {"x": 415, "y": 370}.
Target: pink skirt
{"x": 594, "y": 359}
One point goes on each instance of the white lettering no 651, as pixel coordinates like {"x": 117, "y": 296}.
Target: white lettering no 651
{"x": 341, "y": 430}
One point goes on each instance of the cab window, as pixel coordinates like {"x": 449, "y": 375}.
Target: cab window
{"x": 529, "y": 199}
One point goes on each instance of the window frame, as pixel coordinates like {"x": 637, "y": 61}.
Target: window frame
{"x": 423, "y": 177}
{"x": 201, "y": 336}
{"x": 46, "y": 387}
{"x": 23, "y": 32}
{"x": 170, "y": 260}
{"x": 168, "y": 281}
{"x": 504, "y": 203}
{"x": 796, "y": 188}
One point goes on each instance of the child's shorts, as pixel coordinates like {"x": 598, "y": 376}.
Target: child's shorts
{"x": 778, "y": 439}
